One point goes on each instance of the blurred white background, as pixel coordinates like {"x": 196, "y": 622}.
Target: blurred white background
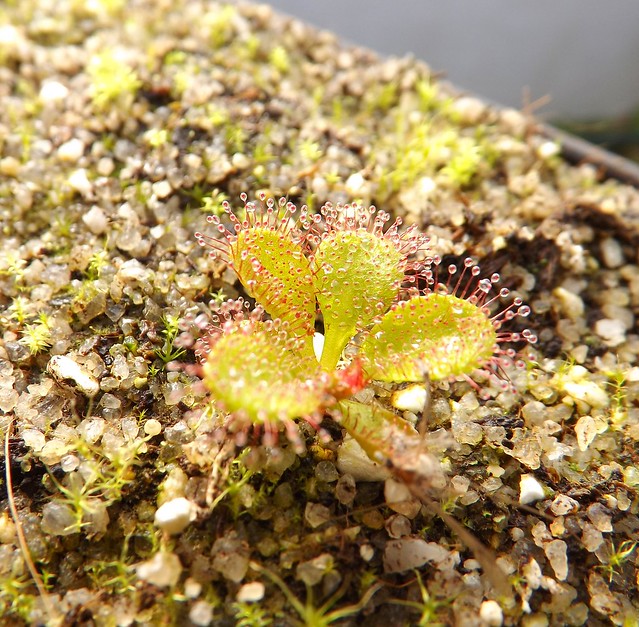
{"x": 584, "y": 54}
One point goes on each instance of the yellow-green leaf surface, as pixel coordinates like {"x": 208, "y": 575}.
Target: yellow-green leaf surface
{"x": 273, "y": 269}
{"x": 437, "y": 335}
{"x": 254, "y": 373}
{"x": 357, "y": 277}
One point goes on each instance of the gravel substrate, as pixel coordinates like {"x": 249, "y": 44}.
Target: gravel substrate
{"x": 123, "y": 125}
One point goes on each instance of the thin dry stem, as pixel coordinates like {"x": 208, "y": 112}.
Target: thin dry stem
{"x": 22, "y": 540}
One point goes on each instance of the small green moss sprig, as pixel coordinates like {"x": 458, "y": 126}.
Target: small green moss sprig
{"x": 389, "y": 311}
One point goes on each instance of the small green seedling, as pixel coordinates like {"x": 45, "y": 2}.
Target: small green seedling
{"x": 389, "y": 313}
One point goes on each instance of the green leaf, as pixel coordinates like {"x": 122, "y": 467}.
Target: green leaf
{"x": 357, "y": 276}
{"x": 274, "y": 270}
{"x": 259, "y": 374}
{"x": 377, "y": 430}
{"x": 437, "y": 335}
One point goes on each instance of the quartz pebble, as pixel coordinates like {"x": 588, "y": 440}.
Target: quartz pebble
{"x": 175, "y": 515}
{"x": 96, "y": 220}
{"x": 556, "y": 553}
{"x": 613, "y": 332}
{"x": 68, "y": 372}
{"x": 316, "y": 514}
{"x": 352, "y": 460}
{"x": 563, "y": 505}
{"x": 412, "y": 398}
{"x": 408, "y": 553}
{"x": 230, "y": 557}
{"x": 201, "y": 613}
{"x": 585, "y": 430}
{"x": 152, "y": 427}
{"x": 71, "y": 151}
{"x": 346, "y": 489}
{"x": 52, "y": 91}
{"x": 326, "y": 471}
{"x": 398, "y": 526}
{"x": 312, "y": 571}
{"x": 530, "y": 490}
{"x": 250, "y": 592}
{"x": 399, "y": 498}
{"x": 491, "y": 614}
{"x": 58, "y": 519}
{"x": 611, "y": 253}
{"x": 162, "y": 570}
{"x": 34, "y": 439}
{"x": 600, "y": 517}
{"x": 79, "y": 181}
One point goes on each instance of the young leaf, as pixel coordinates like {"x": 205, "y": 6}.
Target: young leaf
{"x": 274, "y": 271}
{"x": 269, "y": 257}
{"x": 436, "y": 335}
{"x": 357, "y": 275}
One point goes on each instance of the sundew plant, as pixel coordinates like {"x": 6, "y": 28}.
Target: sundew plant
{"x": 390, "y": 313}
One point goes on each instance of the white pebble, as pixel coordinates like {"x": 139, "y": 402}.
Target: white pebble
{"x": 412, "y": 398}
{"x": 79, "y": 181}
{"x": 585, "y": 430}
{"x": 355, "y": 184}
{"x": 591, "y": 538}
{"x": 53, "y": 91}
{"x": 366, "y": 552}
{"x": 611, "y": 253}
{"x": 617, "y": 312}
{"x": 71, "y": 151}
{"x": 250, "y": 592}
{"x": 152, "y": 427}
{"x": 201, "y": 613}
{"x": 34, "y": 439}
{"x": 399, "y": 499}
{"x": 600, "y": 517}
{"x": 71, "y": 374}
{"x": 548, "y": 150}
{"x": 514, "y": 121}
{"x": 491, "y": 614}
{"x": 318, "y": 345}
{"x": 162, "y": 570}
{"x": 105, "y": 166}
{"x": 162, "y": 189}
{"x": 192, "y": 588}
{"x": 395, "y": 492}
{"x": 530, "y": 490}
{"x": 240, "y": 161}
{"x": 91, "y": 429}
{"x": 175, "y": 515}
{"x": 613, "y": 332}
{"x": 470, "y": 110}
{"x": 426, "y": 185}
{"x": 95, "y": 220}
{"x": 533, "y": 574}
{"x": 570, "y": 303}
